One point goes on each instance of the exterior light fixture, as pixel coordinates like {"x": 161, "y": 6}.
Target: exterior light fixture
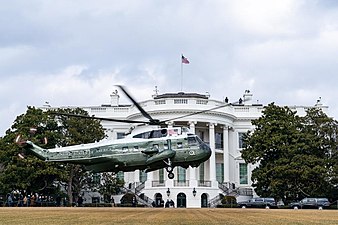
{"x": 168, "y": 192}
{"x": 194, "y": 192}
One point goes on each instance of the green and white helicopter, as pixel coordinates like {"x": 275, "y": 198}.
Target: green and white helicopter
{"x": 146, "y": 148}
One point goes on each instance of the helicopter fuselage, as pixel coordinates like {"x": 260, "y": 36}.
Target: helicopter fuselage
{"x": 152, "y": 150}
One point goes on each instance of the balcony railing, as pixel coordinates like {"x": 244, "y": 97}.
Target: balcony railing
{"x": 184, "y": 183}
{"x": 158, "y": 183}
{"x": 204, "y": 183}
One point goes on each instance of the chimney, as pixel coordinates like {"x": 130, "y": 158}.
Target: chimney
{"x": 114, "y": 98}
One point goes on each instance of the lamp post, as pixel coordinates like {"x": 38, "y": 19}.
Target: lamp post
{"x": 168, "y": 192}
{"x": 194, "y": 192}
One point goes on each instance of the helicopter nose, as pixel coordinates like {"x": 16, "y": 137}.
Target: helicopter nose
{"x": 207, "y": 150}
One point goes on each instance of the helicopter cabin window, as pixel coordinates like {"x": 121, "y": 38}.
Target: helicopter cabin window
{"x": 173, "y": 132}
{"x": 136, "y": 148}
{"x": 144, "y": 135}
{"x": 125, "y": 149}
{"x": 179, "y": 145}
{"x": 165, "y": 146}
{"x": 120, "y": 135}
{"x": 152, "y": 134}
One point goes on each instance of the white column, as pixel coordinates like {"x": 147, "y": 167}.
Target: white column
{"x": 192, "y": 171}
{"x": 137, "y": 176}
{"x": 212, "y": 161}
{"x": 226, "y": 154}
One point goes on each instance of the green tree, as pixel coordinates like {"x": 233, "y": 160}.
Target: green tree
{"x": 33, "y": 174}
{"x": 28, "y": 173}
{"x": 291, "y": 153}
{"x": 109, "y": 185}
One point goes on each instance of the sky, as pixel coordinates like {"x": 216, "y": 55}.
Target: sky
{"x": 73, "y": 53}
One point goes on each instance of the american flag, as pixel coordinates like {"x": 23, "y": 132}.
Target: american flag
{"x": 185, "y": 60}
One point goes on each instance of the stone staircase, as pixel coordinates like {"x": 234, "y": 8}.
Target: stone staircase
{"x": 136, "y": 189}
{"x": 227, "y": 190}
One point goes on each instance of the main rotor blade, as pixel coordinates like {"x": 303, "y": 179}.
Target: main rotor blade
{"x": 144, "y": 113}
{"x": 199, "y": 112}
{"x": 98, "y": 118}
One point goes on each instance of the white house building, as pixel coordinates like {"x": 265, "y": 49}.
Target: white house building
{"x": 225, "y": 173}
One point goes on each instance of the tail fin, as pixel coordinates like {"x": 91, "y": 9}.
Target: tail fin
{"x": 30, "y": 147}
{"x": 39, "y": 152}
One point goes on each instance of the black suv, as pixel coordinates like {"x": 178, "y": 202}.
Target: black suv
{"x": 258, "y": 203}
{"x": 311, "y": 203}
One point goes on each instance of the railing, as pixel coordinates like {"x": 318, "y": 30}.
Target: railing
{"x": 245, "y": 191}
{"x": 139, "y": 188}
{"x": 181, "y": 183}
{"x": 145, "y": 200}
{"x": 158, "y": 183}
{"x": 212, "y": 203}
{"x": 224, "y": 187}
{"x": 204, "y": 183}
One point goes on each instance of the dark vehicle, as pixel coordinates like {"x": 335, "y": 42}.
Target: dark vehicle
{"x": 258, "y": 203}
{"x": 311, "y": 203}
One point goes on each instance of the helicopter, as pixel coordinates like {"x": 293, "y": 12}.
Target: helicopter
{"x": 147, "y": 148}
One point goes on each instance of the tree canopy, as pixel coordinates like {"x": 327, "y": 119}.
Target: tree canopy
{"x": 295, "y": 156}
{"x": 32, "y": 174}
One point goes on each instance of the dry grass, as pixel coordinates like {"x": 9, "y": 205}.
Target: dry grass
{"x": 152, "y": 216}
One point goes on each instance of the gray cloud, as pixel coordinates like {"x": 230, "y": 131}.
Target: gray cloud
{"x": 73, "y": 52}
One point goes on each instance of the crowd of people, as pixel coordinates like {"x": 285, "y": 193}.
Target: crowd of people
{"x": 32, "y": 199}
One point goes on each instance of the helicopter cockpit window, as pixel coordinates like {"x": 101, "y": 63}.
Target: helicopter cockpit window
{"x": 199, "y": 140}
{"x": 192, "y": 140}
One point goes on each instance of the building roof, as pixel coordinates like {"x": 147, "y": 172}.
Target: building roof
{"x": 181, "y": 95}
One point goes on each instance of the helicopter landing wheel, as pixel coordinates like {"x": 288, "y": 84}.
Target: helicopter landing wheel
{"x": 169, "y": 169}
{"x": 171, "y": 175}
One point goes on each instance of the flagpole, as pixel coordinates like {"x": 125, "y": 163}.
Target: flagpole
{"x": 181, "y": 74}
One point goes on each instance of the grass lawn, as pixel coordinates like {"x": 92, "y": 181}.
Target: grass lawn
{"x": 152, "y": 216}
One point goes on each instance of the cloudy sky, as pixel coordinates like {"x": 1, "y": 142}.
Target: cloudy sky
{"x": 74, "y": 52}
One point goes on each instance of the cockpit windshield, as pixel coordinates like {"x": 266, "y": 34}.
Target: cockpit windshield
{"x": 193, "y": 140}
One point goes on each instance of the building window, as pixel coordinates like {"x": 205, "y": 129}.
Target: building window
{"x": 181, "y": 173}
{"x": 219, "y": 140}
{"x": 220, "y": 172}
{"x": 120, "y": 135}
{"x": 161, "y": 175}
{"x": 142, "y": 176}
{"x": 201, "y": 172}
{"x": 243, "y": 173}
{"x": 120, "y": 175}
{"x": 180, "y": 101}
{"x": 241, "y": 143}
